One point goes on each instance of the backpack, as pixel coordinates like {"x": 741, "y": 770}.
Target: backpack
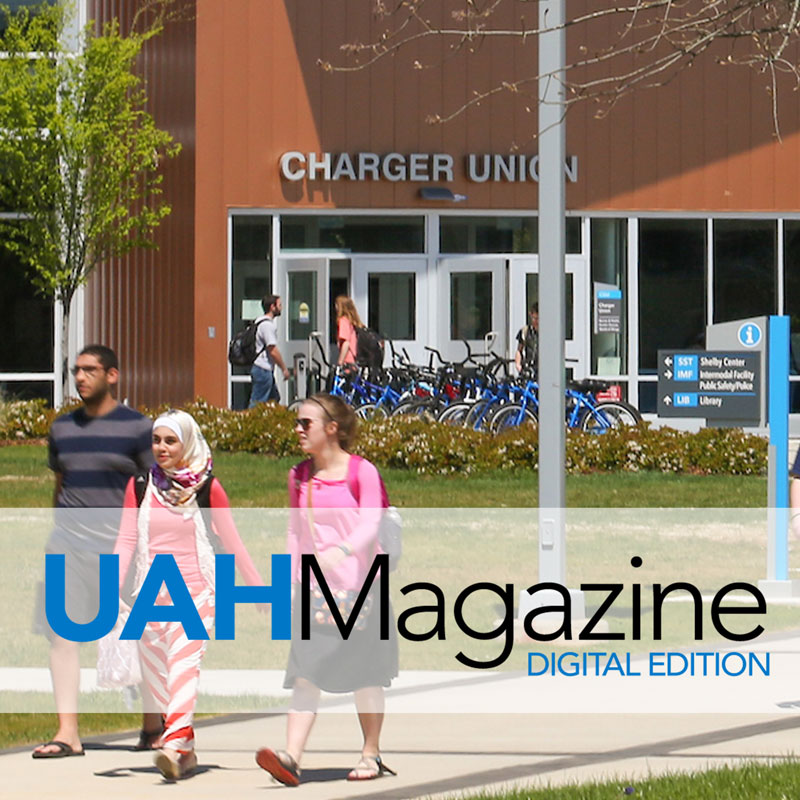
{"x": 390, "y": 530}
{"x": 530, "y": 341}
{"x": 369, "y": 348}
{"x": 242, "y": 348}
{"x": 203, "y": 498}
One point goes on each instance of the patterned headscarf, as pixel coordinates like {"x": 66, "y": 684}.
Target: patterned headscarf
{"x": 178, "y": 485}
{"x": 177, "y": 488}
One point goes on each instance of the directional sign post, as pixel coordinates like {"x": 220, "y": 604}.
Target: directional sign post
{"x": 714, "y": 384}
{"x": 730, "y": 386}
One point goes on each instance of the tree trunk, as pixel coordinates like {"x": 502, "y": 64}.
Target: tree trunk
{"x": 66, "y": 383}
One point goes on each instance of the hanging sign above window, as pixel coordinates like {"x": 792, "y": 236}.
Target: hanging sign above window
{"x": 417, "y": 167}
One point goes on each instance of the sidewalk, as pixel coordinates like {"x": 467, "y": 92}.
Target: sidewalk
{"x": 433, "y": 754}
{"x": 456, "y": 754}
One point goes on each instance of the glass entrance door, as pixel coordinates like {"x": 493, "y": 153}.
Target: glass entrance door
{"x": 304, "y": 288}
{"x": 390, "y": 295}
{"x": 472, "y": 303}
{"x": 524, "y": 291}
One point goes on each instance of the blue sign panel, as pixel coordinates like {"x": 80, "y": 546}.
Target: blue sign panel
{"x": 685, "y": 368}
{"x": 685, "y": 399}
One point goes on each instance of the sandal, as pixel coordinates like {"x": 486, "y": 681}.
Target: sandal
{"x": 280, "y": 765}
{"x": 148, "y": 740}
{"x": 174, "y": 765}
{"x": 63, "y": 750}
{"x": 373, "y": 765}
{"x": 167, "y": 764}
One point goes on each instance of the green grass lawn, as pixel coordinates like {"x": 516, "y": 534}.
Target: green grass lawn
{"x": 254, "y": 481}
{"x": 752, "y": 781}
{"x": 18, "y": 729}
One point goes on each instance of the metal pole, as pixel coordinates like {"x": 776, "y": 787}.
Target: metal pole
{"x": 552, "y": 245}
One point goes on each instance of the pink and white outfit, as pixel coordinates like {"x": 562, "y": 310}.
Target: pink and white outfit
{"x": 169, "y": 521}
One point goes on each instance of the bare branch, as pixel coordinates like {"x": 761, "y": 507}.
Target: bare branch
{"x": 660, "y": 37}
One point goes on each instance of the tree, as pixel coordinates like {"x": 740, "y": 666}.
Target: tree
{"x": 79, "y": 153}
{"x": 649, "y": 43}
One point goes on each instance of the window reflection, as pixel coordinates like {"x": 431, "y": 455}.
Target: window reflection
{"x": 744, "y": 268}
{"x": 470, "y": 305}
{"x": 393, "y": 304}
{"x": 357, "y": 234}
{"x": 250, "y": 271}
{"x": 499, "y": 234}
{"x": 672, "y": 270}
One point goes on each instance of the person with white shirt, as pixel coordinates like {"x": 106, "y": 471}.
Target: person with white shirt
{"x": 262, "y": 373}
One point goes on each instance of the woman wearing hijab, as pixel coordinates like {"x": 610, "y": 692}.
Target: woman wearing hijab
{"x": 336, "y": 502}
{"x": 347, "y": 321}
{"x": 166, "y": 518}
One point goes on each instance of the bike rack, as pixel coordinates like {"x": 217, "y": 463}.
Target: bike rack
{"x": 488, "y": 343}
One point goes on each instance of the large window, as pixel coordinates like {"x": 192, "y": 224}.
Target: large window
{"x": 356, "y": 234}
{"x": 609, "y": 258}
{"x": 250, "y": 281}
{"x": 393, "y": 304}
{"x": 532, "y": 298}
{"x": 27, "y": 323}
{"x": 16, "y": 5}
{"x": 791, "y": 278}
{"x": 27, "y": 318}
{"x": 744, "y": 268}
{"x": 499, "y": 235}
{"x": 672, "y": 302}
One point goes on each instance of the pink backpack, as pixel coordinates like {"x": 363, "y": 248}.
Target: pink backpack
{"x": 302, "y": 471}
{"x": 390, "y": 531}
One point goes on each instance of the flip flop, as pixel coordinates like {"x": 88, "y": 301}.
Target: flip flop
{"x": 280, "y": 765}
{"x": 148, "y": 740}
{"x": 64, "y": 750}
{"x": 167, "y": 766}
{"x": 373, "y": 765}
{"x": 173, "y": 765}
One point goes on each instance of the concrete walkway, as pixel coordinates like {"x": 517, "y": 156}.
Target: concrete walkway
{"x": 433, "y": 754}
{"x": 457, "y": 754}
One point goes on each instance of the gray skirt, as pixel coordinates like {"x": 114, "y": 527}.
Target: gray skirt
{"x": 337, "y": 665}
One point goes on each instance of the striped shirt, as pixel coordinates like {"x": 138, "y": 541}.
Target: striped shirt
{"x": 96, "y": 456}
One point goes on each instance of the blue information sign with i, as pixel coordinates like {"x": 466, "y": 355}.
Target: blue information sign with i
{"x": 749, "y": 334}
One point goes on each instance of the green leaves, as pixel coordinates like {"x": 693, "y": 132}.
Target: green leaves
{"x": 79, "y": 153}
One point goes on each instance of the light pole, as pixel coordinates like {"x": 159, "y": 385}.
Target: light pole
{"x": 552, "y": 246}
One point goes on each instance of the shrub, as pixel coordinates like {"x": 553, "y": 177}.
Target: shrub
{"x": 429, "y": 448}
{"x": 25, "y": 419}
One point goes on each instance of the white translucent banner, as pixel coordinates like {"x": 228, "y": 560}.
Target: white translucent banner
{"x": 647, "y": 620}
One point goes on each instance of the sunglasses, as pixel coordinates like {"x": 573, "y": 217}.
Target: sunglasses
{"x": 304, "y": 422}
{"x": 87, "y": 370}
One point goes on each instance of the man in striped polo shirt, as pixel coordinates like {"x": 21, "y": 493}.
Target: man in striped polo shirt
{"x": 93, "y": 452}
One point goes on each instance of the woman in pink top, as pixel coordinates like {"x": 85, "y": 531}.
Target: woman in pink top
{"x": 165, "y": 517}
{"x": 327, "y": 521}
{"x": 347, "y": 320}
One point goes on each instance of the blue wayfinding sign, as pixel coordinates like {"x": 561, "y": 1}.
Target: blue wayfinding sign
{"x": 685, "y": 368}
{"x": 685, "y": 399}
{"x": 713, "y": 384}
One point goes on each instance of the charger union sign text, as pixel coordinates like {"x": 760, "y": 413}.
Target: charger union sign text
{"x": 419, "y": 167}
